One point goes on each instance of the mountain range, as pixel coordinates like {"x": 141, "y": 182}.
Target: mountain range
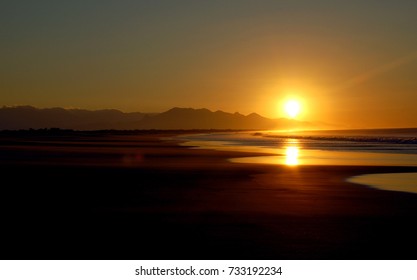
{"x": 27, "y": 117}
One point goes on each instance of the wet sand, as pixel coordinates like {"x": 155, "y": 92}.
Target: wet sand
{"x": 107, "y": 196}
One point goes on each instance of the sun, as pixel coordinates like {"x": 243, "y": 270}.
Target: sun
{"x": 292, "y": 108}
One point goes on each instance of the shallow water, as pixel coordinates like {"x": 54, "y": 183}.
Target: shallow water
{"x": 294, "y": 156}
{"x": 404, "y": 182}
{"x": 312, "y": 149}
{"x": 309, "y": 151}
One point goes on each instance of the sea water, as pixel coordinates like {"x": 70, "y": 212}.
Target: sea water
{"x": 380, "y": 147}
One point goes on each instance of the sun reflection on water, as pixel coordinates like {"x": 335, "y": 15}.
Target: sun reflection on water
{"x": 291, "y": 152}
{"x": 291, "y": 156}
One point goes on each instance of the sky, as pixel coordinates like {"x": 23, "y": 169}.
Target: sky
{"x": 352, "y": 63}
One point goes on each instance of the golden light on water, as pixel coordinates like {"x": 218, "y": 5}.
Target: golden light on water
{"x": 291, "y": 156}
{"x": 292, "y": 152}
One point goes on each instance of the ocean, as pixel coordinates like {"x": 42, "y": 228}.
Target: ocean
{"x": 370, "y": 147}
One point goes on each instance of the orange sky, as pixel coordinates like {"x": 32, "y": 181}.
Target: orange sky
{"x": 352, "y": 64}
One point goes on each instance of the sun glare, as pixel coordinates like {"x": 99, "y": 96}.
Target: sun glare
{"x": 291, "y": 156}
{"x": 292, "y": 108}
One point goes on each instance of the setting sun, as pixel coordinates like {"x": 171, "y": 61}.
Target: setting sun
{"x": 292, "y": 108}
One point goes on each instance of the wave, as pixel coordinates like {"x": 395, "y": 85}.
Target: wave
{"x": 362, "y": 139}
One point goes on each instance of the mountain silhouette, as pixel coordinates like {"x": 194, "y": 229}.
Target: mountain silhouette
{"x": 26, "y": 117}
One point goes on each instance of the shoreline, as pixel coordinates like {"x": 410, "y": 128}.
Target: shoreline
{"x": 136, "y": 197}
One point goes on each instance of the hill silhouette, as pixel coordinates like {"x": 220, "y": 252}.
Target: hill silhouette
{"x": 27, "y": 117}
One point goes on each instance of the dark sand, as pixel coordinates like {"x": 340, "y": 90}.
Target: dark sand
{"x": 104, "y": 196}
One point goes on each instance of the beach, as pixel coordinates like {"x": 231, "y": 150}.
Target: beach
{"x": 147, "y": 196}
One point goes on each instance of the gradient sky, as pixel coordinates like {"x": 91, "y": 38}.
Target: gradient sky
{"x": 349, "y": 62}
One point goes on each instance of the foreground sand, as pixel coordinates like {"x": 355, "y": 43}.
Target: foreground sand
{"x": 138, "y": 197}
